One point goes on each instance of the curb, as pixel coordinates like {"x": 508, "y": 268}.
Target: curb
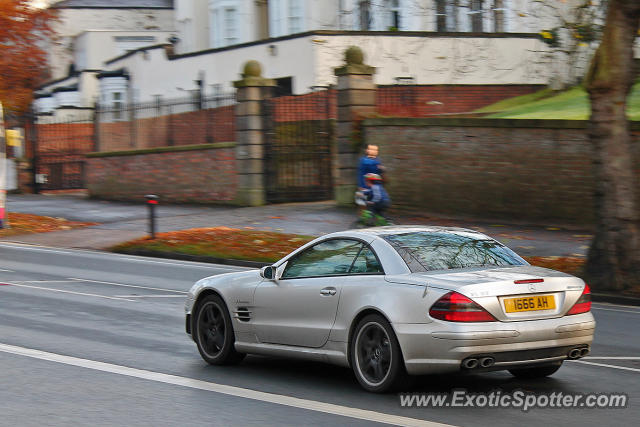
{"x": 195, "y": 258}
{"x": 596, "y": 297}
{"x": 615, "y": 299}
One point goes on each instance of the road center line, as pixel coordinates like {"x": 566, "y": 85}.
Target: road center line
{"x": 624, "y": 368}
{"x": 278, "y": 399}
{"x": 127, "y": 286}
{"x": 68, "y": 292}
{"x": 138, "y": 259}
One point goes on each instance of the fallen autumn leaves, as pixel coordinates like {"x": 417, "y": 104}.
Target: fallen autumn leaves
{"x": 266, "y": 246}
{"x": 20, "y": 223}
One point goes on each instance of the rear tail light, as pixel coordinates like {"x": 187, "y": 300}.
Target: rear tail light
{"x": 583, "y": 305}
{"x": 455, "y": 307}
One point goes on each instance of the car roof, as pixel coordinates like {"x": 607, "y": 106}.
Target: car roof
{"x": 402, "y": 229}
{"x": 373, "y": 233}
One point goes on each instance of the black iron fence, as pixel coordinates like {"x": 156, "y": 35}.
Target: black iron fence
{"x": 299, "y": 139}
{"x": 166, "y": 122}
{"x": 58, "y": 151}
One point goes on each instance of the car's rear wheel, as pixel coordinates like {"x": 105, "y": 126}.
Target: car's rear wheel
{"x": 535, "y": 372}
{"x": 376, "y": 358}
{"x": 213, "y": 332}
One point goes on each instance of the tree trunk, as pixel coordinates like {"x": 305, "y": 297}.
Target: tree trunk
{"x": 614, "y": 257}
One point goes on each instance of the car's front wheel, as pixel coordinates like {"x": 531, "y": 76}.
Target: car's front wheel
{"x": 213, "y": 332}
{"x": 535, "y": 372}
{"x": 376, "y": 358}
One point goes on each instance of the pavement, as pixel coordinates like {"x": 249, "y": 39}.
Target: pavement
{"x": 120, "y": 222}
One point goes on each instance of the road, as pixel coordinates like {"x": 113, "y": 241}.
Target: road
{"x": 91, "y": 338}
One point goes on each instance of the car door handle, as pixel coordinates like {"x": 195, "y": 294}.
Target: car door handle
{"x": 328, "y": 291}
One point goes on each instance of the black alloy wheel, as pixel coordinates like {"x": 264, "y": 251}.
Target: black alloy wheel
{"x": 375, "y": 355}
{"x": 214, "y": 334}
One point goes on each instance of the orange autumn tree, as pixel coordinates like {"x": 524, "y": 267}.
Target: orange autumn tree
{"x": 24, "y": 31}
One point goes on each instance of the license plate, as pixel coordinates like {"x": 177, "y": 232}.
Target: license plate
{"x": 533, "y": 303}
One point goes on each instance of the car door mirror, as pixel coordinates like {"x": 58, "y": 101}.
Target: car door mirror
{"x": 268, "y": 272}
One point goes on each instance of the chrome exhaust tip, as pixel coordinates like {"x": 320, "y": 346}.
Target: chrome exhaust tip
{"x": 584, "y": 351}
{"x": 487, "y": 362}
{"x": 470, "y": 363}
{"x": 574, "y": 353}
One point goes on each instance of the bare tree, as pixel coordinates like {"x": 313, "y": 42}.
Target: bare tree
{"x": 614, "y": 257}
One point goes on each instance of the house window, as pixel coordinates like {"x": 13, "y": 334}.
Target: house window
{"x": 117, "y": 105}
{"x": 499, "y": 15}
{"x": 475, "y": 16}
{"x": 394, "y": 14}
{"x": 441, "y": 15}
{"x": 295, "y": 16}
{"x": 365, "y": 15}
{"x": 230, "y": 26}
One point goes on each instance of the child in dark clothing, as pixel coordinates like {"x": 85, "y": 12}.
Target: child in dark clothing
{"x": 376, "y": 196}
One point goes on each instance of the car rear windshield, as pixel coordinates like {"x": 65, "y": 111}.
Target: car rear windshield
{"x": 445, "y": 250}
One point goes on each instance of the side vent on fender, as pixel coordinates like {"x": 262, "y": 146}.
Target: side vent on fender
{"x": 243, "y": 314}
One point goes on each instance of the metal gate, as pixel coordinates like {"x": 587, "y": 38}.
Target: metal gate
{"x": 299, "y": 135}
{"x": 59, "y": 152}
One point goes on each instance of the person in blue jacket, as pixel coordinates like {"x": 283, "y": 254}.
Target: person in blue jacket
{"x": 369, "y": 163}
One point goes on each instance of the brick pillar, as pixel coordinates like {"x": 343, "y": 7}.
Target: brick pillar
{"x": 356, "y": 99}
{"x": 252, "y": 89}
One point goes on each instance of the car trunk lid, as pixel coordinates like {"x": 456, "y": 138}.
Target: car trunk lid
{"x": 512, "y": 293}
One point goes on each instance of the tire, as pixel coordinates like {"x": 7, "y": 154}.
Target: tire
{"x": 213, "y": 332}
{"x": 535, "y": 372}
{"x": 376, "y": 358}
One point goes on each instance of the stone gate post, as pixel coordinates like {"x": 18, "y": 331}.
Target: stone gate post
{"x": 356, "y": 99}
{"x": 252, "y": 89}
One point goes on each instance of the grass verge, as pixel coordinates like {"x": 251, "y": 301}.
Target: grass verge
{"x": 572, "y": 104}
{"x": 20, "y": 223}
{"x": 266, "y": 246}
{"x": 220, "y": 242}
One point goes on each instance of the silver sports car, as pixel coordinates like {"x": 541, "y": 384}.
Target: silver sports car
{"x": 393, "y": 301}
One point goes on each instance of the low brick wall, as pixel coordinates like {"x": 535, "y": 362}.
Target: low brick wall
{"x": 192, "y": 174}
{"x": 529, "y": 170}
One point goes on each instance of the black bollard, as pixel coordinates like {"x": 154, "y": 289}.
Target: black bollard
{"x": 152, "y": 201}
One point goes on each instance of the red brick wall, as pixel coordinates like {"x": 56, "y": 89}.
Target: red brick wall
{"x": 196, "y": 127}
{"x": 424, "y": 101}
{"x": 320, "y": 105}
{"x": 200, "y": 176}
{"x": 65, "y": 137}
{"x": 519, "y": 170}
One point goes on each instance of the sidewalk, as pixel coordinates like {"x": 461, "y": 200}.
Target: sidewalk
{"x": 120, "y": 222}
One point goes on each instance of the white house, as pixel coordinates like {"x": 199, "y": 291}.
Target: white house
{"x": 78, "y": 16}
{"x": 88, "y": 32}
{"x": 464, "y": 42}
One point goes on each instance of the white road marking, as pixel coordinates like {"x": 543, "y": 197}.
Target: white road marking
{"x": 7, "y": 271}
{"x": 149, "y": 296}
{"x": 127, "y": 286}
{"x": 278, "y": 399}
{"x": 39, "y": 248}
{"x": 46, "y": 281}
{"x": 611, "y": 358}
{"x": 624, "y": 368}
{"x": 68, "y": 292}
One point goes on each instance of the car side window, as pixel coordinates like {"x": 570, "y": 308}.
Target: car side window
{"x": 328, "y": 258}
{"x": 366, "y": 263}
